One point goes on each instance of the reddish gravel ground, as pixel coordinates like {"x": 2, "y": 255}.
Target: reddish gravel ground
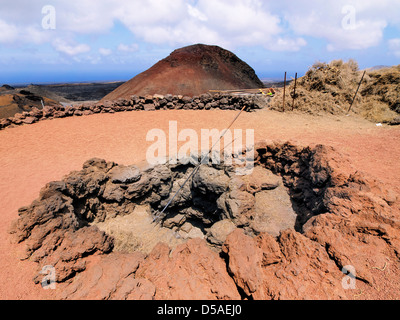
{"x": 33, "y": 155}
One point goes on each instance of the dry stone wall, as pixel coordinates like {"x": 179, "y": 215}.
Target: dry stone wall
{"x": 139, "y": 103}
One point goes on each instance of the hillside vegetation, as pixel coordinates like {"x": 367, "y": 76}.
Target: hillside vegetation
{"x": 330, "y": 88}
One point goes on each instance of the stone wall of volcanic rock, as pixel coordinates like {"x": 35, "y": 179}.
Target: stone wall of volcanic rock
{"x": 344, "y": 219}
{"x": 139, "y": 103}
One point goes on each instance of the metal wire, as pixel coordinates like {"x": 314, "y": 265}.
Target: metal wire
{"x": 200, "y": 163}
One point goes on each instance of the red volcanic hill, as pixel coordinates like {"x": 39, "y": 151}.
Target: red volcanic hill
{"x": 191, "y": 71}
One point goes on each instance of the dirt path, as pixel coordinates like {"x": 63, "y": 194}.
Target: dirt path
{"x": 33, "y": 155}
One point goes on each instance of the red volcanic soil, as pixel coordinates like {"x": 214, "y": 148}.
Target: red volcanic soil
{"x": 33, "y": 155}
{"x": 191, "y": 71}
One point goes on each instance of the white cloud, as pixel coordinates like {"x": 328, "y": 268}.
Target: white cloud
{"x": 85, "y": 16}
{"x": 344, "y": 24}
{"x": 105, "y": 51}
{"x": 8, "y": 32}
{"x": 287, "y": 44}
{"x": 196, "y": 13}
{"x": 241, "y": 22}
{"x": 394, "y": 46}
{"x": 36, "y": 35}
{"x": 230, "y": 23}
{"x": 68, "y": 48}
{"x": 279, "y": 26}
{"x": 128, "y": 48}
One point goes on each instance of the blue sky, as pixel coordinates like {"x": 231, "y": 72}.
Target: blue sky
{"x": 96, "y": 40}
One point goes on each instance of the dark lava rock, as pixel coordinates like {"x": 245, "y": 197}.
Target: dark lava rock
{"x": 341, "y": 218}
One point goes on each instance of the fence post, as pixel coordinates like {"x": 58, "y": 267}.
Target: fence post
{"x": 294, "y": 91}
{"x": 358, "y": 88}
{"x": 284, "y": 92}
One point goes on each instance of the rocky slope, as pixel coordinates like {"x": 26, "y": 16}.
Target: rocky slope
{"x": 13, "y": 101}
{"x": 343, "y": 219}
{"x": 191, "y": 71}
{"x": 74, "y": 92}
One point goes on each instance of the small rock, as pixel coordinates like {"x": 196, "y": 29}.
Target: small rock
{"x": 244, "y": 261}
{"x": 149, "y": 107}
{"x": 186, "y": 99}
{"x": 87, "y": 112}
{"x": 390, "y": 197}
{"x": 15, "y": 120}
{"x": 395, "y": 122}
{"x": 113, "y": 192}
{"x": 48, "y": 111}
{"x": 273, "y": 212}
{"x": 195, "y": 233}
{"x": 219, "y": 231}
{"x": 158, "y": 96}
{"x": 236, "y": 203}
{"x": 125, "y": 175}
{"x": 139, "y": 188}
{"x": 177, "y": 220}
{"x": 29, "y": 120}
{"x": 260, "y": 179}
{"x": 95, "y": 163}
{"x": 209, "y": 179}
{"x": 19, "y": 116}
{"x": 187, "y": 227}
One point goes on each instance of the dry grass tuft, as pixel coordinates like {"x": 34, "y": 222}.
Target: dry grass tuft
{"x": 385, "y": 85}
{"x": 330, "y": 88}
